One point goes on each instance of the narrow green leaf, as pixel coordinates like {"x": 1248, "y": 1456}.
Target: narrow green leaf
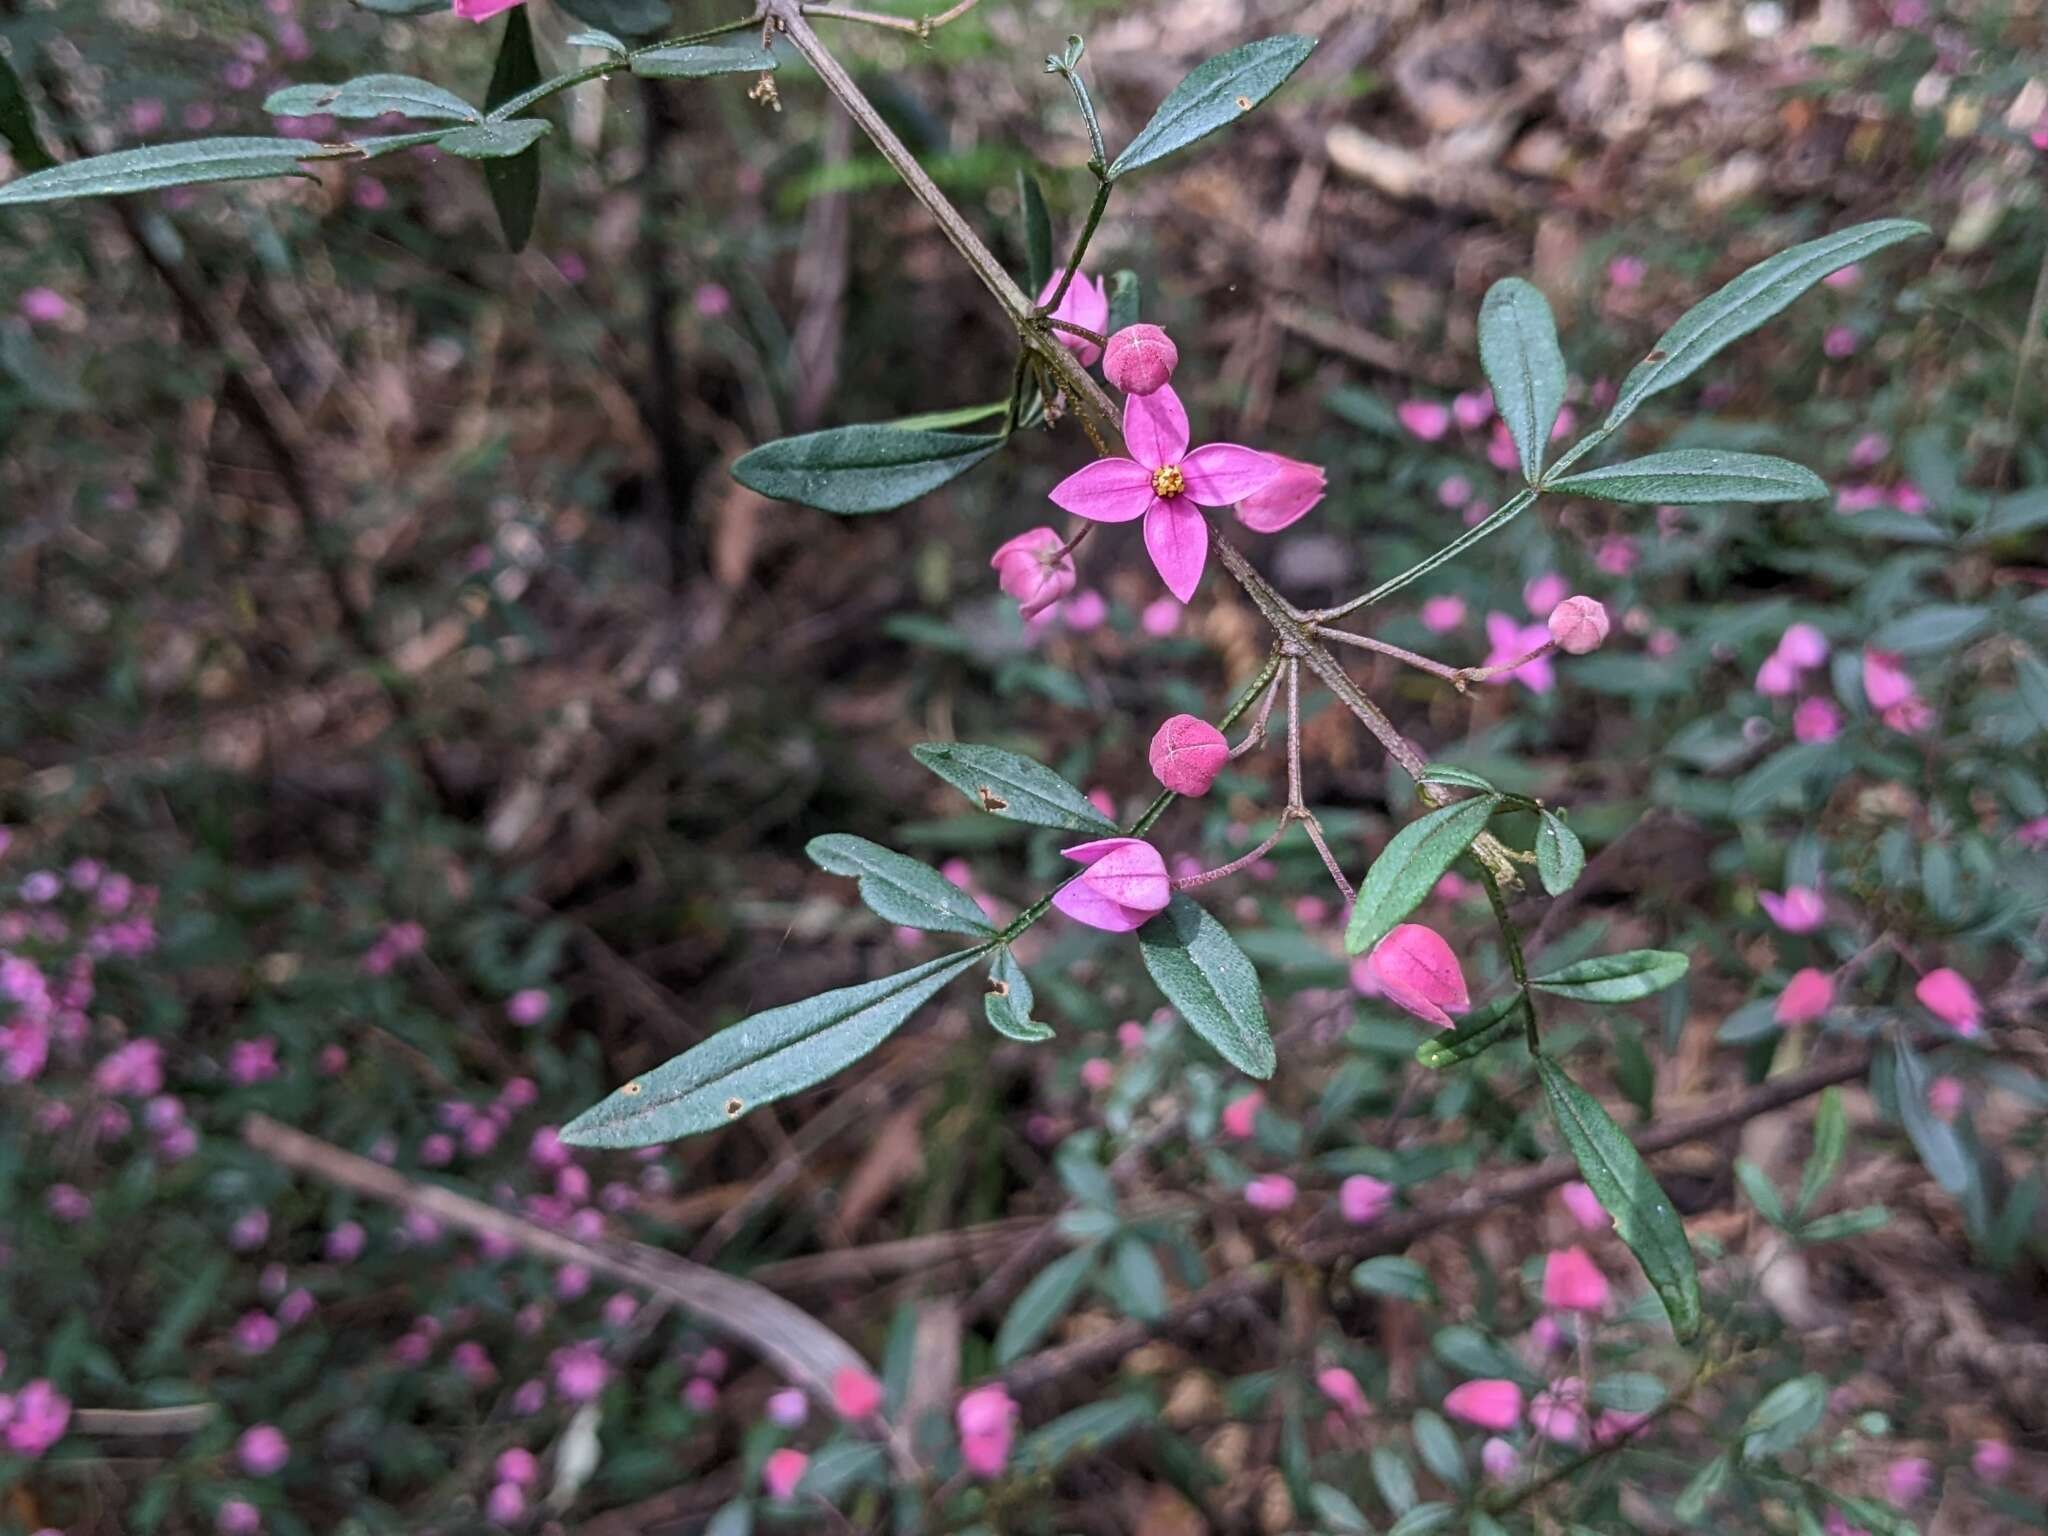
{"x": 1478, "y": 1031}
{"x": 1009, "y": 999}
{"x": 1746, "y": 303}
{"x": 1467, "y": 1349}
{"x": 1215, "y": 93}
{"x": 1012, "y": 786}
{"x": 761, "y": 1059}
{"x": 1617, "y": 1175}
{"x": 18, "y": 122}
{"x": 1699, "y": 1494}
{"x": 959, "y": 416}
{"x": 1615, "y": 978}
{"x": 372, "y": 96}
{"x": 1389, "y": 1274}
{"x": 1437, "y": 1444}
{"x": 1459, "y": 778}
{"x": 1781, "y": 775}
{"x": 1925, "y": 631}
{"x": 1394, "y": 1478}
{"x": 628, "y": 18}
{"x": 156, "y": 166}
{"x": 382, "y": 144}
{"x": 1091, "y": 1427}
{"x": 1687, "y": 476}
{"x": 1424, "y": 1519}
{"x": 1124, "y": 294}
{"x": 1830, "y": 1141}
{"x": 1787, "y": 1414}
{"x": 1203, "y": 973}
{"x": 839, "y": 1468}
{"x": 1560, "y": 856}
{"x": 495, "y": 141}
{"x": 1629, "y": 1392}
{"x": 1042, "y": 1303}
{"x": 514, "y": 182}
{"x": 1141, "y": 1283}
{"x": 1837, "y": 1225}
{"x": 1762, "y": 1194}
{"x": 1335, "y": 1511}
{"x": 1518, "y": 349}
{"x": 2031, "y": 673}
{"x": 698, "y": 61}
{"x": 1940, "y": 1148}
{"x": 1409, "y": 867}
{"x": 595, "y": 37}
{"x": 1037, "y": 234}
{"x": 861, "y": 469}
{"x": 899, "y": 889}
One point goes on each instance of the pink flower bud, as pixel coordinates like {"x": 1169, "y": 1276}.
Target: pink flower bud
{"x": 1097, "y": 1073}
{"x": 1241, "y": 1114}
{"x": 1777, "y": 677}
{"x": 1270, "y": 1192}
{"x": 1839, "y": 342}
{"x": 1086, "y": 304}
{"x": 1803, "y": 646}
{"x": 1800, "y": 910}
{"x": 1626, "y": 272}
{"x": 1473, "y": 409}
{"x": 237, "y": 1517}
{"x": 788, "y": 1408}
{"x": 1363, "y": 1199}
{"x": 1286, "y": 498}
{"x": 855, "y": 1394}
{"x": 1160, "y": 617}
{"x": 1342, "y": 1388}
{"x": 1558, "y": 1413}
{"x": 1816, "y": 720}
{"x": 1991, "y": 1460}
{"x": 1807, "y": 996}
{"x": 1578, "y": 625}
{"x": 1032, "y": 569}
{"x": 1585, "y": 1206}
{"x": 1420, "y": 974}
{"x": 1140, "y": 359}
{"x": 1122, "y": 887}
{"x": 505, "y": 1504}
{"x": 483, "y": 10}
{"x": 1945, "y": 1097}
{"x": 45, "y": 306}
{"x": 1953, "y": 1001}
{"x": 1885, "y": 680}
{"x": 1499, "y": 1459}
{"x": 1187, "y": 753}
{"x": 1427, "y": 419}
{"x": 782, "y": 1471}
{"x": 1441, "y": 615}
{"x": 1572, "y": 1282}
{"x": 987, "y": 1421}
{"x": 1544, "y": 593}
{"x": 527, "y": 1007}
{"x": 1487, "y": 1404}
{"x": 263, "y": 1450}
{"x": 1907, "y": 1479}
{"x": 700, "y": 1395}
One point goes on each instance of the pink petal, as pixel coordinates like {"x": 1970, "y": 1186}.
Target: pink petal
{"x": 1107, "y": 491}
{"x": 1177, "y": 538}
{"x": 1156, "y": 427}
{"x": 1084, "y": 904}
{"x": 1126, "y": 869}
{"x": 1221, "y": 473}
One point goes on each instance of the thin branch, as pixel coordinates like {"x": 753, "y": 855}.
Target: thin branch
{"x": 1411, "y": 658}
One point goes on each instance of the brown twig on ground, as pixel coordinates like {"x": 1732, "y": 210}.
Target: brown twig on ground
{"x": 803, "y": 1349}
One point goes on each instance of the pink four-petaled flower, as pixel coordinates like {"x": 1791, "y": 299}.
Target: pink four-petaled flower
{"x": 1167, "y": 485}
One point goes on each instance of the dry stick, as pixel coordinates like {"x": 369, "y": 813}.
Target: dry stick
{"x": 803, "y": 1349}
{"x": 1478, "y": 1199}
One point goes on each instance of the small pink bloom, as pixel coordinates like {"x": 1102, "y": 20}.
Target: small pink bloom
{"x": 987, "y": 1421}
{"x": 1421, "y": 974}
{"x": 1166, "y": 485}
{"x": 1952, "y": 1000}
{"x": 68, "y": 1204}
{"x": 1546, "y": 1337}
{"x": 1992, "y": 1459}
{"x": 1521, "y": 648}
{"x": 1187, "y": 753}
{"x": 1501, "y": 451}
{"x": 1363, "y": 1199}
{"x": 1801, "y": 909}
{"x": 263, "y": 1450}
{"x": 1807, "y": 996}
{"x": 1486, "y": 1404}
{"x": 1909, "y": 498}
{"x": 1615, "y": 1424}
{"x": 782, "y": 1471}
{"x": 700, "y": 1395}
{"x": 1544, "y": 593}
{"x": 1578, "y": 625}
{"x": 36, "y": 1419}
{"x": 1910, "y": 718}
{"x": 1342, "y": 1388}
{"x": 1140, "y": 359}
{"x": 1097, "y": 1073}
{"x": 1802, "y": 646}
{"x": 1626, "y": 272}
{"x": 1907, "y": 1479}
{"x": 1840, "y": 341}
{"x": 1572, "y": 1282}
{"x": 1241, "y": 1114}
{"x": 856, "y": 1395}
{"x": 1845, "y": 277}
{"x": 483, "y": 10}
{"x": 1034, "y": 570}
{"x": 1945, "y": 1097}
{"x": 237, "y": 1517}
{"x": 1130, "y": 1037}
{"x": 579, "y": 1371}
{"x": 1441, "y": 615}
{"x": 1885, "y": 680}
{"x": 253, "y": 1061}
{"x": 1851, "y": 499}
{"x": 1160, "y": 617}
{"x": 711, "y": 300}
{"x": 1288, "y": 497}
{"x": 297, "y": 1306}
{"x": 1270, "y": 1192}
{"x": 1085, "y": 611}
{"x": 1122, "y": 887}
{"x": 1086, "y": 304}
{"x": 134, "y": 1070}
{"x": 1617, "y": 555}
{"x": 345, "y": 1243}
{"x": 1816, "y": 720}
{"x": 1473, "y": 409}
{"x": 1558, "y": 1413}
{"x": 1869, "y": 450}
{"x": 1427, "y": 419}
{"x": 505, "y": 1504}
{"x": 788, "y": 1408}
{"x": 1585, "y": 1206}
{"x": 45, "y": 306}
{"x": 528, "y": 1398}
{"x": 1454, "y": 491}
{"x": 527, "y": 1007}
{"x": 1499, "y": 1459}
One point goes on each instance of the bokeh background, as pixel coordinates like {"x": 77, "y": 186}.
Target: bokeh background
{"x": 420, "y": 731}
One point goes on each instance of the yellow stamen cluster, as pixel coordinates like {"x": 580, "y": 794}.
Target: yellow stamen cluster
{"x": 1168, "y": 481}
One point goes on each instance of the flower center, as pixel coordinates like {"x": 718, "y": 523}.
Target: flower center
{"x": 1168, "y": 481}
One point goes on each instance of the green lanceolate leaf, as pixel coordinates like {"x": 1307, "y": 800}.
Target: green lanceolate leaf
{"x": 1392, "y": 1275}
{"x": 1940, "y": 1148}
{"x": 1560, "y": 856}
{"x": 1926, "y": 631}
{"x": 959, "y": 416}
{"x": 1037, "y": 234}
{"x": 1008, "y": 1001}
{"x": 1140, "y": 1282}
{"x": 1618, "y": 978}
{"x": 167, "y": 165}
{"x": 495, "y": 141}
{"x": 1616, "y": 1174}
{"x": 1518, "y": 349}
{"x": 372, "y": 96}
{"x": 1047, "y": 1299}
{"x": 1746, "y": 303}
{"x": 1477, "y": 1032}
{"x": 761, "y": 1059}
{"x": 1012, "y": 786}
{"x": 1214, "y": 94}
{"x": 628, "y": 18}
{"x": 1459, "y": 778}
{"x": 1687, "y": 476}
{"x": 1409, "y": 867}
{"x": 1699, "y": 1493}
{"x": 899, "y": 889}
{"x": 861, "y": 469}
{"x": 1203, "y": 973}
{"x": 1830, "y": 1141}
{"x": 1124, "y": 293}
{"x": 698, "y": 61}
{"x": 18, "y": 122}
{"x": 514, "y": 182}
{"x": 1787, "y": 1414}
{"x": 595, "y": 37}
